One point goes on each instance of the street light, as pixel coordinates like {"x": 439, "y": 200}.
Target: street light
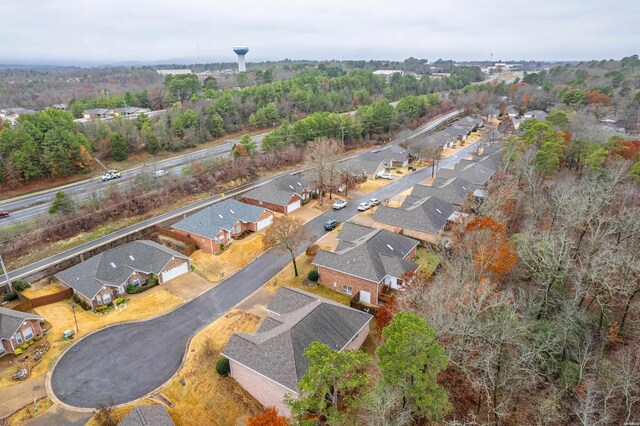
{"x": 73, "y": 308}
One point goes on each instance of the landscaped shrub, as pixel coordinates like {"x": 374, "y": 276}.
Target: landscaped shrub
{"x": 152, "y": 281}
{"x": 221, "y": 247}
{"x": 119, "y": 300}
{"x": 102, "y": 308}
{"x": 32, "y": 342}
{"x": 24, "y": 346}
{"x": 37, "y": 338}
{"x": 18, "y": 352}
{"x": 312, "y": 250}
{"x": 313, "y": 275}
{"x": 131, "y": 289}
{"x": 315, "y": 195}
{"x": 20, "y": 285}
{"x": 10, "y": 296}
{"x": 222, "y": 367}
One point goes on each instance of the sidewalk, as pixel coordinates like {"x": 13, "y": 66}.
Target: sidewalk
{"x": 57, "y": 415}
{"x": 15, "y": 397}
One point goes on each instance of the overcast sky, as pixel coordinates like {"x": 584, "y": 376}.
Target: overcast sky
{"x": 89, "y": 31}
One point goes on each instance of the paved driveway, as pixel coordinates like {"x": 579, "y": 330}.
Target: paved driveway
{"x": 125, "y": 362}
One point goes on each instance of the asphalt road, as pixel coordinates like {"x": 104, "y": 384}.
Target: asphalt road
{"x": 125, "y": 362}
{"x": 42, "y": 264}
{"x": 35, "y": 205}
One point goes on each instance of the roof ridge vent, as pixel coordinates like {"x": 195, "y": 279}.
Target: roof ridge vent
{"x": 232, "y": 212}
{"x": 438, "y": 210}
{"x": 390, "y": 248}
{"x": 131, "y": 257}
{"x": 142, "y": 419}
{"x": 113, "y": 265}
{"x": 220, "y": 216}
{"x": 290, "y": 186}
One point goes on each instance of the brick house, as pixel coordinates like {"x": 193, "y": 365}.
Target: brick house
{"x": 97, "y": 113}
{"x": 215, "y": 226}
{"x": 17, "y": 328}
{"x": 283, "y": 195}
{"x": 423, "y": 219}
{"x": 104, "y": 277}
{"x": 365, "y": 260}
{"x": 270, "y": 363}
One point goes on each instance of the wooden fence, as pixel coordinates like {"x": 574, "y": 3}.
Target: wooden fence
{"x": 29, "y": 304}
{"x": 191, "y": 245}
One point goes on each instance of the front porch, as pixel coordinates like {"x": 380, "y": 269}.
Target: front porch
{"x": 363, "y": 303}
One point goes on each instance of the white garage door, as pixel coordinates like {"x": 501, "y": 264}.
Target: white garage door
{"x": 175, "y": 272}
{"x": 265, "y": 222}
{"x": 293, "y": 206}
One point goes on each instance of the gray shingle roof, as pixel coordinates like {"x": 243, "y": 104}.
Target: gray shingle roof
{"x": 276, "y": 351}
{"x": 11, "y": 320}
{"x": 429, "y": 140}
{"x": 454, "y": 191}
{"x": 224, "y": 215}
{"x": 279, "y": 191}
{"x": 457, "y": 130}
{"x": 427, "y": 215}
{"x": 360, "y": 165}
{"x": 90, "y": 276}
{"x": 97, "y": 111}
{"x": 364, "y": 257}
{"x": 387, "y": 155}
{"x": 475, "y": 173}
{"x": 147, "y": 415}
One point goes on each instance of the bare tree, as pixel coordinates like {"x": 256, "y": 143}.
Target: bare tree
{"x": 323, "y": 154}
{"x": 285, "y": 235}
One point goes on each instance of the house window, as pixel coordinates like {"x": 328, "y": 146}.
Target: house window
{"x": 237, "y": 229}
{"x": 99, "y": 300}
{"x": 107, "y": 298}
{"x": 18, "y": 337}
{"x": 135, "y": 282}
{"x": 347, "y": 290}
{"x": 27, "y": 333}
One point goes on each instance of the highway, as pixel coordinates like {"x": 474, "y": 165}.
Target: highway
{"x": 68, "y": 254}
{"x": 34, "y": 205}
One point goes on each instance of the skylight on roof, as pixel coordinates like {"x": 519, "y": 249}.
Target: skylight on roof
{"x": 438, "y": 210}
{"x": 232, "y": 212}
{"x": 131, "y": 257}
{"x": 113, "y": 265}
{"x": 220, "y": 216}
{"x": 291, "y": 187}
{"x": 464, "y": 188}
{"x": 390, "y": 248}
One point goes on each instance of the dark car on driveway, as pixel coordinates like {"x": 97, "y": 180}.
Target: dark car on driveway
{"x": 330, "y": 224}
{"x": 4, "y": 214}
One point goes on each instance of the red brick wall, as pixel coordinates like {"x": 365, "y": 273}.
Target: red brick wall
{"x": 37, "y": 330}
{"x": 106, "y": 290}
{"x": 268, "y": 392}
{"x": 203, "y": 243}
{"x": 328, "y": 277}
{"x": 272, "y": 207}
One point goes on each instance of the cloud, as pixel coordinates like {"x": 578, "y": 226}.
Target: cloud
{"x": 146, "y": 30}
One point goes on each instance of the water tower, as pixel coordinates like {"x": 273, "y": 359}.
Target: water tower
{"x": 241, "y": 51}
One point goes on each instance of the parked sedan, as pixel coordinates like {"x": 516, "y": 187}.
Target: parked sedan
{"x": 160, "y": 173}
{"x": 385, "y": 175}
{"x": 331, "y": 224}
{"x": 111, "y": 174}
{"x": 364, "y": 206}
{"x": 340, "y": 204}
{"x": 374, "y": 201}
{"x": 4, "y": 214}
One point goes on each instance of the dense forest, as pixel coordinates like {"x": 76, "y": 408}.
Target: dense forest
{"x": 306, "y": 106}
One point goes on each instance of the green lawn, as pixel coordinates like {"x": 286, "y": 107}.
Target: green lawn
{"x": 427, "y": 259}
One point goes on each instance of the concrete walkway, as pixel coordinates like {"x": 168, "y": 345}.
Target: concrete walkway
{"x": 56, "y": 416}
{"x": 15, "y": 397}
{"x": 127, "y": 361}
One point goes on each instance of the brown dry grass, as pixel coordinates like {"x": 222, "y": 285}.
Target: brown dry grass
{"x": 218, "y": 267}
{"x": 287, "y": 278}
{"x": 312, "y": 209}
{"x": 29, "y": 412}
{"x": 119, "y": 413}
{"x": 139, "y": 306}
{"x": 207, "y": 398}
{"x": 371, "y": 185}
{"x": 45, "y": 290}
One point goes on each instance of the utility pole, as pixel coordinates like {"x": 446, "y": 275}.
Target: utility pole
{"x": 6, "y": 274}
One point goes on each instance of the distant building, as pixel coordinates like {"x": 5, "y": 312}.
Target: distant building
{"x": 174, "y": 72}
{"x": 388, "y": 73}
{"x": 62, "y": 107}
{"x": 440, "y": 74}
